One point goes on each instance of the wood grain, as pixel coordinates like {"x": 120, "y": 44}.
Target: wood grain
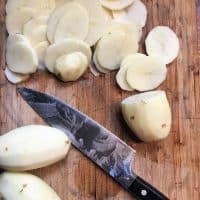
{"x": 172, "y": 165}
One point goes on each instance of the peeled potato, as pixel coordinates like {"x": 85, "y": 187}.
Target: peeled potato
{"x": 71, "y": 67}
{"x": 24, "y": 186}
{"x": 20, "y": 56}
{"x": 163, "y": 42}
{"x": 63, "y": 48}
{"x": 148, "y": 115}
{"x": 32, "y": 147}
{"x": 73, "y": 24}
{"x": 117, "y": 4}
{"x": 145, "y": 72}
{"x": 14, "y": 77}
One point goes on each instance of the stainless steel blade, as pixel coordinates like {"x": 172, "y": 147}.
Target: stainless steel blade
{"x": 100, "y": 145}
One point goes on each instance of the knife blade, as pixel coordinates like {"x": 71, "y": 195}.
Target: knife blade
{"x": 109, "y": 152}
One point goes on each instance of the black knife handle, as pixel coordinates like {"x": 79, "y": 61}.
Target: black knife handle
{"x": 142, "y": 190}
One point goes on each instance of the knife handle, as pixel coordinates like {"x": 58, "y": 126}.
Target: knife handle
{"x": 142, "y": 190}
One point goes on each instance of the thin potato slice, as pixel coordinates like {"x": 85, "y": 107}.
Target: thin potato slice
{"x": 74, "y": 24}
{"x": 107, "y": 13}
{"x": 145, "y": 72}
{"x": 14, "y": 77}
{"x": 116, "y": 5}
{"x": 163, "y": 42}
{"x": 63, "y": 48}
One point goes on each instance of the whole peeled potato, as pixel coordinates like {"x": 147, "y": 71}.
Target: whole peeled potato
{"x": 31, "y": 147}
{"x": 23, "y": 186}
{"x": 148, "y": 115}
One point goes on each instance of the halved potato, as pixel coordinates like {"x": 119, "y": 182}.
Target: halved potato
{"x": 24, "y": 186}
{"x": 73, "y": 24}
{"x": 145, "y": 72}
{"x": 71, "y": 67}
{"x": 148, "y": 115}
{"x": 14, "y": 77}
{"x": 63, "y": 48}
{"x": 117, "y": 4}
{"x": 20, "y": 56}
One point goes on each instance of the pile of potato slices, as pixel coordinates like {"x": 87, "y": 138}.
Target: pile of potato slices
{"x": 58, "y": 35}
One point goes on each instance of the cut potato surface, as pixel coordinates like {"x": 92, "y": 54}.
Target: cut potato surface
{"x": 73, "y": 24}
{"x": 163, "y": 42}
{"x": 63, "y": 48}
{"x": 14, "y": 77}
{"x": 20, "y": 57}
{"x": 146, "y": 72}
{"x": 117, "y": 4}
{"x": 114, "y": 46}
{"x": 107, "y": 14}
{"x": 44, "y": 145}
{"x": 97, "y": 65}
{"x": 15, "y": 21}
{"x": 148, "y": 115}
{"x": 15, "y": 38}
{"x": 71, "y": 67}
{"x": 24, "y": 186}
{"x": 40, "y": 49}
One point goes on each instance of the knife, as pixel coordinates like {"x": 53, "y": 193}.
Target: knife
{"x": 100, "y": 145}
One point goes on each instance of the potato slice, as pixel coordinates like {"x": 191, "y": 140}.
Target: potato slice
{"x": 145, "y": 72}
{"x": 71, "y": 67}
{"x": 114, "y": 46}
{"x": 136, "y": 13}
{"x": 117, "y": 4}
{"x": 163, "y": 42}
{"x": 97, "y": 65}
{"x": 63, "y": 48}
{"x": 40, "y": 49}
{"x": 52, "y": 146}
{"x": 13, "y": 5}
{"x": 21, "y": 57}
{"x": 148, "y": 115}
{"x": 24, "y": 186}
{"x": 107, "y": 14}
{"x": 15, "y": 20}
{"x": 74, "y": 23}
{"x": 14, "y": 77}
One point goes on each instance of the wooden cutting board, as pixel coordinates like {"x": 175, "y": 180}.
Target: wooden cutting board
{"x": 172, "y": 165}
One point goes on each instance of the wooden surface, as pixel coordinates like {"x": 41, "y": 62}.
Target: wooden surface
{"x": 172, "y": 165}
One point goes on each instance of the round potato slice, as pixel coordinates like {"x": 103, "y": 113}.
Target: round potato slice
{"x": 107, "y": 13}
{"x": 116, "y": 5}
{"x": 145, "y": 72}
{"x": 14, "y": 77}
{"x": 74, "y": 24}
{"x": 63, "y": 48}
{"x": 163, "y": 42}
{"x": 97, "y": 65}
{"x": 71, "y": 67}
{"x": 20, "y": 56}
{"x": 17, "y": 38}
{"x": 148, "y": 115}
{"x": 40, "y": 49}
{"x": 113, "y": 47}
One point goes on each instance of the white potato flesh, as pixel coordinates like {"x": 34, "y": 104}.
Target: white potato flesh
{"x": 97, "y": 65}
{"x": 98, "y": 22}
{"x": 24, "y": 186}
{"x": 21, "y": 57}
{"x": 116, "y": 5}
{"x": 163, "y": 42}
{"x": 71, "y": 67}
{"x": 15, "y": 38}
{"x": 145, "y": 72}
{"x": 63, "y": 48}
{"x": 32, "y": 147}
{"x": 73, "y": 24}
{"x": 13, "y": 5}
{"x": 107, "y": 14}
{"x": 15, "y": 20}
{"x": 40, "y": 49}
{"x": 14, "y": 77}
{"x": 114, "y": 46}
{"x": 148, "y": 115}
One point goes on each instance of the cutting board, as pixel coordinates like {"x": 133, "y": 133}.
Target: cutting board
{"x": 172, "y": 165}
